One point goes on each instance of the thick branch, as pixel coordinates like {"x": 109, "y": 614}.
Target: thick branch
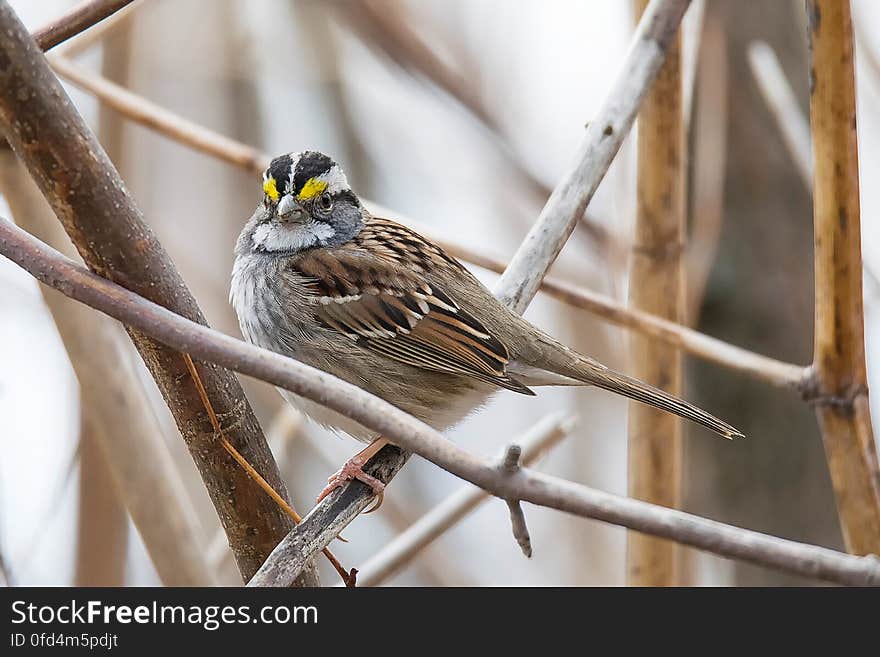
{"x": 605, "y": 134}
{"x": 77, "y": 20}
{"x": 183, "y": 335}
{"x": 841, "y": 392}
{"x": 87, "y": 194}
{"x": 657, "y": 286}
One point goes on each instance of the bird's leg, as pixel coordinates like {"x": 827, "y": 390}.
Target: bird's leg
{"x": 353, "y": 469}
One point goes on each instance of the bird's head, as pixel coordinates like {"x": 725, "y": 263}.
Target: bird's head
{"x": 307, "y": 202}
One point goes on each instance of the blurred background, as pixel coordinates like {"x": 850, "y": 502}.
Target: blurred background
{"x": 459, "y": 115}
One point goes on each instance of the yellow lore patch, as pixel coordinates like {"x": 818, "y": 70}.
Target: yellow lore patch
{"x": 312, "y": 188}
{"x": 270, "y": 189}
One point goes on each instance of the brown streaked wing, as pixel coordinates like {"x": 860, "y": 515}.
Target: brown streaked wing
{"x": 377, "y": 296}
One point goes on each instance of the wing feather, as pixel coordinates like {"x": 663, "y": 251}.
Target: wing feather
{"x": 379, "y": 297}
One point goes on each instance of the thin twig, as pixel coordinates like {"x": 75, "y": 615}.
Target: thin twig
{"x": 315, "y": 532}
{"x": 605, "y": 134}
{"x": 224, "y": 441}
{"x": 708, "y": 161}
{"x": 175, "y": 127}
{"x": 80, "y": 18}
{"x": 408, "y": 544}
{"x": 840, "y": 386}
{"x": 519, "y": 527}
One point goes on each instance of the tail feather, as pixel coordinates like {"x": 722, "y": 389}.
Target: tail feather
{"x": 586, "y": 370}
{"x": 635, "y": 389}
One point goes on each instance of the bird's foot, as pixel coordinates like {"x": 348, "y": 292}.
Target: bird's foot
{"x": 353, "y": 469}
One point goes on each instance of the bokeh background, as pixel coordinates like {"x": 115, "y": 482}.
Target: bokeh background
{"x": 286, "y": 75}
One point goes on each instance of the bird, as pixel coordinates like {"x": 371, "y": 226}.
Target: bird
{"x": 318, "y": 278}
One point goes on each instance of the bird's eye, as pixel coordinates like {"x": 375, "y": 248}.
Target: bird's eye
{"x": 325, "y": 202}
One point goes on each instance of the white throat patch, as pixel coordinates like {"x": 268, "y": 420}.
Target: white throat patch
{"x": 273, "y": 236}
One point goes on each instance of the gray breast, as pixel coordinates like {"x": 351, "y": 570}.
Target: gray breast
{"x": 272, "y": 310}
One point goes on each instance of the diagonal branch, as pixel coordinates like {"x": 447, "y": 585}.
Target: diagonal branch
{"x": 87, "y": 194}
{"x": 783, "y": 104}
{"x": 183, "y": 335}
{"x": 80, "y": 18}
{"x": 605, "y": 134}
{"x": 139, "y": 109}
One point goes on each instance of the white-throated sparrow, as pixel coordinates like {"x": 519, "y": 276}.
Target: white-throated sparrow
{"x": 317, "y": 278}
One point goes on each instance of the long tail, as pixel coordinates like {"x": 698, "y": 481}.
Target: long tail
{"x": 634, "y": 389}
{"x": 570, "y": 364}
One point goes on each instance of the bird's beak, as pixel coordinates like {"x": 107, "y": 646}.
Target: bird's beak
{"x": 289, "y": 209}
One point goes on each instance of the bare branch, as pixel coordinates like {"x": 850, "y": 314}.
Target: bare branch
{"x": 99, "y": 32}
{"x": 707, "y": 132}
{"x": 183, "y": 335}
{"x": 409, "y": 543}
{"x": 87, "y": 194}
{"x": 840, "y": 393}
{"x": 793, "y": 124}
{"x": 605, "y": 134}
{"x": 80, "y": 18}
{"x": 173, "y": 126}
